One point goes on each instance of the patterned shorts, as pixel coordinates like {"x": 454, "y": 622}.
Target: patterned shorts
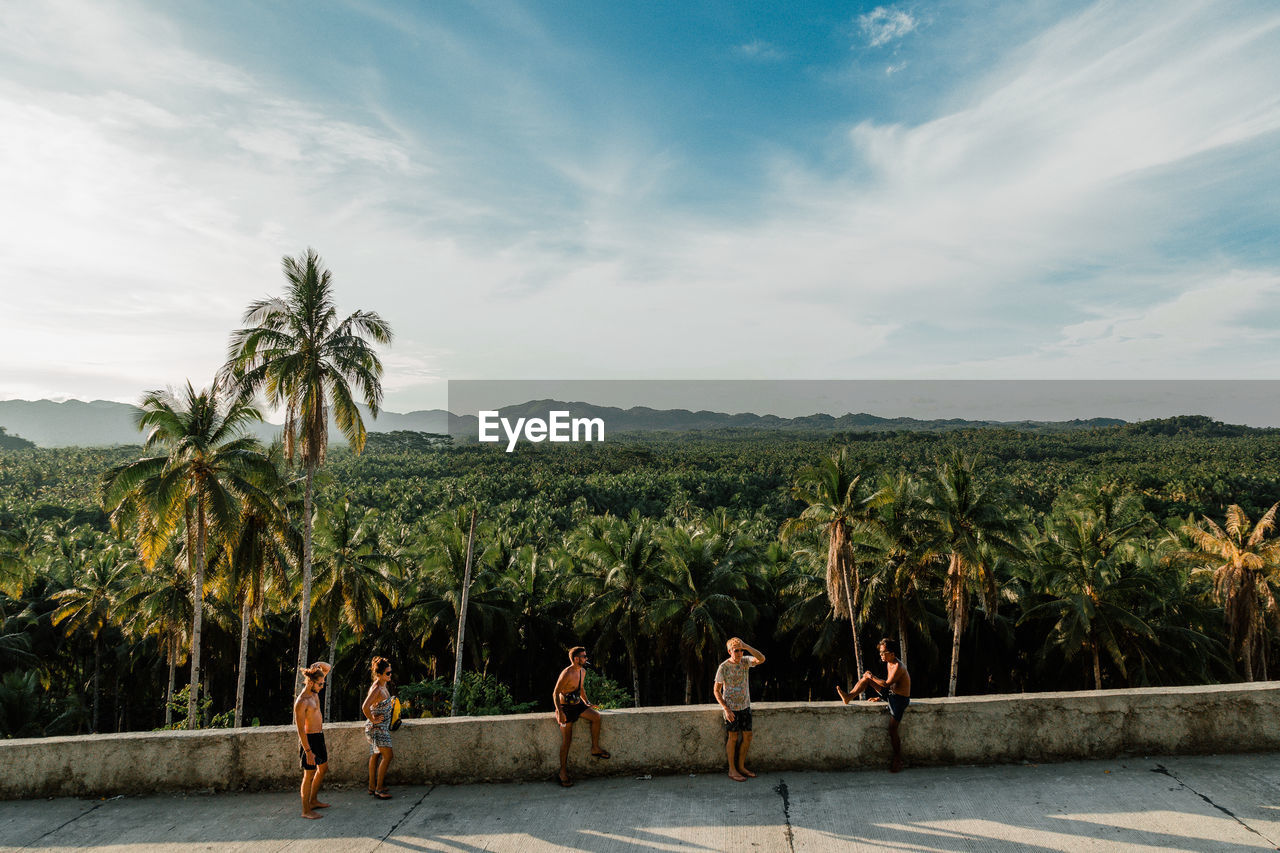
{"x": 378, "y": 736}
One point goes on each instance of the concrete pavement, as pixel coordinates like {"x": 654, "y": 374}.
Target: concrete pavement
{"x": 1197, "y": 803}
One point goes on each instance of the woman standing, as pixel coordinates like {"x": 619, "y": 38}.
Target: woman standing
{"x": 377, "y": 731}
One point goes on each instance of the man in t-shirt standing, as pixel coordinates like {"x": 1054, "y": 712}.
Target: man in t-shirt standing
{"x": 734, "y": 695}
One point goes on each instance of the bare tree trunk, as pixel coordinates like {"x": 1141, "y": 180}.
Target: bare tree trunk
{"x": 1097, "y": 665}
{"x": 304, "y": 610}
{"x": 688, "y": 689}
{"x": 333, "y": 655}
{"x": 853, "y": 628}
{"x": 197, "y": 622}
{"x": 635, "y": 673}
{"x": 902, "y": 635}
{"x": 173, "y": 667}
{"x": 245, "y": 617}
{"x": 960, "y": 597}
{"x": 955, "y": 660}
{"x": 1247, "y": 648}
{"x": 97, "y": 670}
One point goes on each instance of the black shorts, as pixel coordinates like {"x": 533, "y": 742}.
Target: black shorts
{"x": 897, "y": 704}
{"x": 574, "y": 711}
{"x": 319, "y": 752}
{"x": 741, "y": 721}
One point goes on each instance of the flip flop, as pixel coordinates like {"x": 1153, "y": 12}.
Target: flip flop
{"x": 564, "y": 783}
{"x": 604, "y": 753}
{"x": 382, "y": 795}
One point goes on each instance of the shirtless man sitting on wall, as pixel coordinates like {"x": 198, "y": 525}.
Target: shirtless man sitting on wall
{"x": 570, "y": 700}
{"x": 894, "y": 688}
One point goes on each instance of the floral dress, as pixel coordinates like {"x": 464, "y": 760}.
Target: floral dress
{"x": 379, "y": 734}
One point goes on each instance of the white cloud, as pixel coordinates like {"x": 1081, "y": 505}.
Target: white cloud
{"x": 884, "y": 24}
{"x": 760, "y": 51}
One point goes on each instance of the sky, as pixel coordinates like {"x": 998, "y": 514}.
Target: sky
{"x": 731, "y": 189}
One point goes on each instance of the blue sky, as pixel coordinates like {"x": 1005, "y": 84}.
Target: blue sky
{"x": 649, "y": 190}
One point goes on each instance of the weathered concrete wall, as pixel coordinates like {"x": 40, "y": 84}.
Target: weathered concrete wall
{"x": 788, "y": 735}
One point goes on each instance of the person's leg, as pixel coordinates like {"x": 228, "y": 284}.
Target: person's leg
{"x": 566, "y": 738}
{"x": 855, "y": 691}
{"x": 384, "y": 754}
{"x": 321, "y": 769}
{"x": 895, "y": 764}
{"x": 307, "y": 777}
{"x": 373, "y": 771}
{"x": 742, "y": 755}
{"x": 731, "y": 751}
{"x": 592, "y": 716}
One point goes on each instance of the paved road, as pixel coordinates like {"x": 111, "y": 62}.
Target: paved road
{"x": 1200, "y": 803}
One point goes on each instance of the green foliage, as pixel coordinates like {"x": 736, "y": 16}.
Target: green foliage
{"x": 604, "y": 692}
{"x": 479, "y": 695}
{"x": 206, "y": 719}
{"x": 14, "y": 442}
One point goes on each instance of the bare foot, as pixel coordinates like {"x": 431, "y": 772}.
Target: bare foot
{"x": 844, "y": 697}
{"x": 312, "y": 815}
{"x": 316, "y": 804}
{"x": 745, "y": 772}
{"x": 735, "y": 777}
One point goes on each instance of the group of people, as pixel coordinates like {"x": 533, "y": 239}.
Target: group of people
{"x": 313, "y": 755}
{"x": 733, "y": 694}
{"x": 569, "y": 698}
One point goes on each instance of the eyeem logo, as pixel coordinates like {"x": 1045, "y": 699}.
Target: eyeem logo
{"x": 559, "y": 427}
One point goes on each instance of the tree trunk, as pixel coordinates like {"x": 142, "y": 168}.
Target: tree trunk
{"x": 333, "y": 655}
{"x": 245, "y": 616}
{"x": 173, "y": 668}
{"x": 902, "y": 635}
{"x": 955, "y": 660}
{"x": 853, "y": 628}
{"x": 688, "y": 689}
{"x": 635, "y": 673}
{"x": 960, "y": 595}
{"x": 1247, "y": 648}
{"x": 304, "y": 611}
{"x": 97, "y": 672}
{"x": 1097, "y": 665}
{"x": 197, "y": 620}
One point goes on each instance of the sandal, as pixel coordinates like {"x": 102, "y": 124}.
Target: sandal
{"x": 382, "y": 795}
{"x": 565, "y": 782}
{"x": 604, "y": 753}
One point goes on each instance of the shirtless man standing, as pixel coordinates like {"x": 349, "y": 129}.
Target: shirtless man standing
{"x": 894, "y": 688}
{"x": 312, "y": 753}
{"x": 570, "y": 700}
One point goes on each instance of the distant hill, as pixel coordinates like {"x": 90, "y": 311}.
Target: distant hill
{"x": 104, "y": 423}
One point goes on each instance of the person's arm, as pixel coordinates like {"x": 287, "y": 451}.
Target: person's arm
{"x": 896, "y": 677}
{"x": 299, "y": 719}
{"x": 367, "y": 707}
{"x": 718, "y": 690}
{"x": 555, "y": 699}
{"x": 756, "y": 657}
{"x": 582, "y": 691}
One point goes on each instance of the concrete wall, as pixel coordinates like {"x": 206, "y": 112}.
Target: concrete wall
{"x": 685, "y": 739}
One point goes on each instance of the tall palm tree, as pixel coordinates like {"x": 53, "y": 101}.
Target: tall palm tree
{"x": 158, "y": 604}
{"x": 353, "y": 577}
{"x": 296, "y": 351}
{"x": 89, "y": 607}
{"x": 1086, "y": 569}
{"x": 706, "y": 599}
{"x": 974, "y": 526}
{"x": 839, "y": 505}
{"x": 193, "y": 490}
{"x": 623, "y": 561}
{"x": 257, "y": 560}
{"x": 1239, "y": 558}
{"x": 908, "y": 554}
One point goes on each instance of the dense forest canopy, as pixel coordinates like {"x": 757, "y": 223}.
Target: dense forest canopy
{"x": 1129, "y": 557}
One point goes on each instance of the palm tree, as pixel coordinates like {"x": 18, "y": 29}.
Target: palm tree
{"x": 839, "y": 505}
{"x": 353, "y": 576}
{"x": 257, "y": 560}
{"x": 158, "y": 604}
{"x": 908, "y": 556}
{"x": 705, "y": 600}
{"x": 1087, "y": 569}
{"x": 89, "y": 606}
{"x": 194, "y": 489}
{"x": 623, "y": 561}
{"x": 1239, "y": 558}
{"x": 973, "y": 527}
{"x": 296, "y": 351}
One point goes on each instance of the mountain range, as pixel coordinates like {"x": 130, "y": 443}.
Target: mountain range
{"x": 105, "y": 423}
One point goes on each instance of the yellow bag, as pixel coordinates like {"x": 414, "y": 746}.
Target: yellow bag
{"x": 395, "y": 714}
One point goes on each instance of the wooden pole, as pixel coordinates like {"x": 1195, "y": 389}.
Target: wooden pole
{"x": 462, "y": 619}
